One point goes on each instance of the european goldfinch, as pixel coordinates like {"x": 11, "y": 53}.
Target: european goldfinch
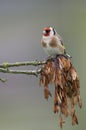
{"x": 52, "y": 42}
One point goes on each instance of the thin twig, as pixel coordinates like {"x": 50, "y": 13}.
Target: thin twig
{"x": 27, "y": 72}
{"x": 3, "y": 80}
{"x": 17, "y": 64}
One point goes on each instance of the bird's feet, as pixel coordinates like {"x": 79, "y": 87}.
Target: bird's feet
{"x": 64, "y": 55}
{"x": 50, "y": 58}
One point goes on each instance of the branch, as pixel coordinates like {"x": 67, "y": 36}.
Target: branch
{"x": 27, "y": 72}
{"x": 17, "y": 64}
{"x": 4, "y": 68}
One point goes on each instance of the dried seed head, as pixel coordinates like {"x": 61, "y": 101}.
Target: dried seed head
{"x": 63, "y": 75}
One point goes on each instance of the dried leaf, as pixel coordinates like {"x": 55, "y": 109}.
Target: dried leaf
{"x": 74, "y": 117}
{"x": 79, "y": 101}
{"x": 47, "y": 93}
{"x": 61, "y": 121}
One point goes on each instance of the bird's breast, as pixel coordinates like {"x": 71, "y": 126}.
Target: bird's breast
{"x": 52, "y": 46}
{"x": 50, "y": 42}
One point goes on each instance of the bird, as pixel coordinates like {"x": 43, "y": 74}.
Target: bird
{"x": 52, "y": 42}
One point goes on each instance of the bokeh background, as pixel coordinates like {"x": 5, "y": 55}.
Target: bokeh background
{"x": 22, "y": 106}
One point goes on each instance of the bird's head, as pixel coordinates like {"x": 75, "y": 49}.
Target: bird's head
{"x": 49, "y": 31}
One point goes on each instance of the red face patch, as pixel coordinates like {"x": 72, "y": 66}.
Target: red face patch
{"x": 46, "y": 31}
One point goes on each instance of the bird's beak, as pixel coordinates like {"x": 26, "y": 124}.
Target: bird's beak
{"x": 44, "y": 32}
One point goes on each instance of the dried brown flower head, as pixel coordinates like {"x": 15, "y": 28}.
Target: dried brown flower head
{"x": 63, "y": 75}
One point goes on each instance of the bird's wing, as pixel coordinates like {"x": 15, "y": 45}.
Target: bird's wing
{"x": 62, "y": 43}
{"x": 61, "y": 40}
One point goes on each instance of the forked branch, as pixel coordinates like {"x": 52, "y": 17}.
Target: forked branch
{"x": 5, "y": 67}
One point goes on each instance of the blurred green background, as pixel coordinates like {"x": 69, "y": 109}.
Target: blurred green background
{"x": 22, "y": 106}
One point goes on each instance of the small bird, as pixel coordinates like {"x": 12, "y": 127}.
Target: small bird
{"x": 52, "y": 42}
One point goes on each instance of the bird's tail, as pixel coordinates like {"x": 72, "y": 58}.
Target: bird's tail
{"x": 66, "y": 54}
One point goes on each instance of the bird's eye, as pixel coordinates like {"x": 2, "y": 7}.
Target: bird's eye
{"x": 47, "y": 31}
